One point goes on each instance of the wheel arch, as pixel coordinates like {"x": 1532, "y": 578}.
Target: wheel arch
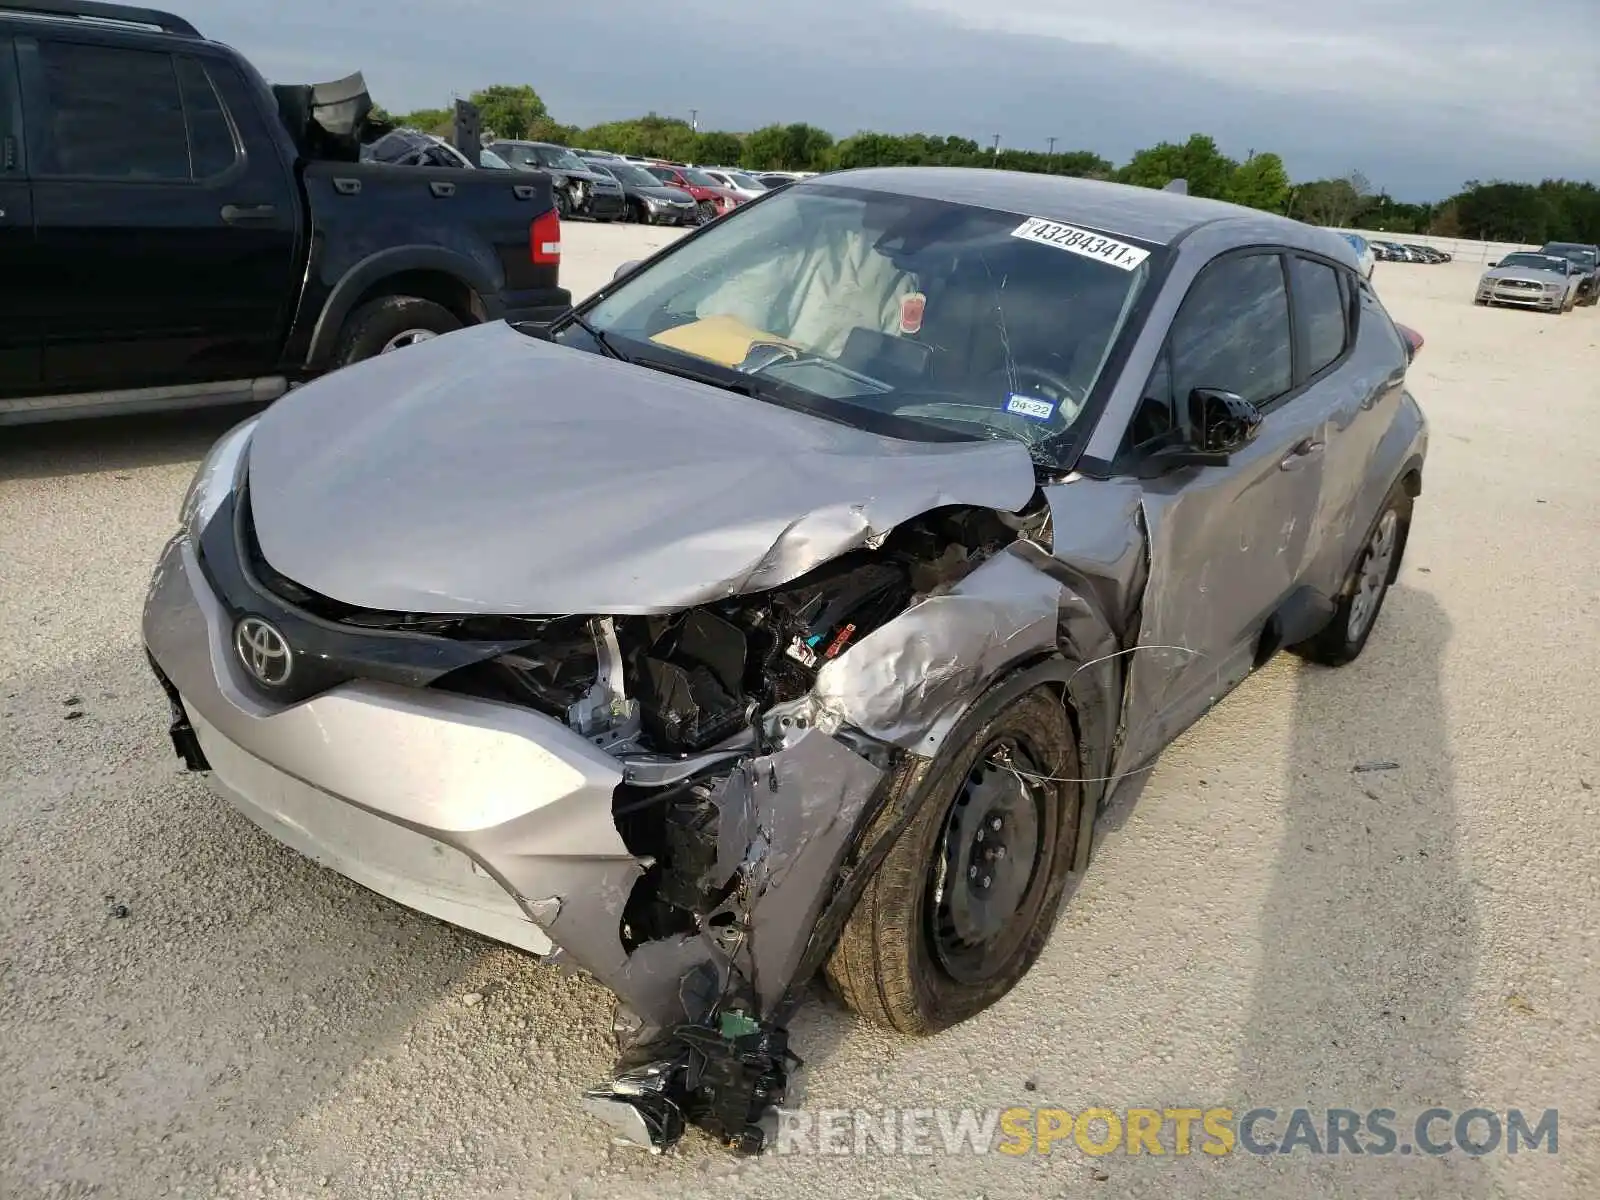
{"x": 434, "y": 273}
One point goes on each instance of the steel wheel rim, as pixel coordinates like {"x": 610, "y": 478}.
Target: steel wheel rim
{"x": 1373, "y": 578}
{"x": 408, "y": 337}
{"x": 978, "y": 901}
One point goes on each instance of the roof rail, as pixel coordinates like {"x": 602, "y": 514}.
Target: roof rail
{"x": 97, "y": 12}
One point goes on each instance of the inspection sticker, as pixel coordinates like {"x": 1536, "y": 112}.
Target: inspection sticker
{"x": 1081, "y": 241}
{"x": 1027, "y": 406}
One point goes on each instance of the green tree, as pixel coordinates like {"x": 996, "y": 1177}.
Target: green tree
{"x": 1260, "y": 181}
{"x": 797, "y": 147}
{"x": 429, "y": 120}
{"x": 509, "y": 109}
{"x": 1207, "y": 170}
{"x": 717, "y": 148}
{"x": 1325, "y": 202}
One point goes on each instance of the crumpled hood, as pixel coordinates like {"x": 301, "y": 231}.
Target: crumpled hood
{"x": 490, "y": 472}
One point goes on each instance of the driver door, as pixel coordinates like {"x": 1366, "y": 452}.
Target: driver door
{"x": 1228, "y": 544}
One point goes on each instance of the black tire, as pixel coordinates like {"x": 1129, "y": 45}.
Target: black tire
{"x": 374, "y": 325}
{"x": 1343, "y": 639}
{"x": 893, "y": 962}
{"x": 563, "y": 203}
{"x": 635, "y": 214}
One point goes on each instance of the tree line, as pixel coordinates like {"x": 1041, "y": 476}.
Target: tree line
{"x": 1555, "y": 209}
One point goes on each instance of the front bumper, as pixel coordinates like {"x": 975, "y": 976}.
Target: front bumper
{"x": 484, "y": 815}
{"x": 1499, "y": 293}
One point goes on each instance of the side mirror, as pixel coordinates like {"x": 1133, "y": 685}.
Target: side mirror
{"x": 1221, "y": 422}
{"x": 1494, "y": 264}
{"x": 625, "y": 268}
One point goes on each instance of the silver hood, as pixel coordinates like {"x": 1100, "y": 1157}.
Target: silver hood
{"x": 489, "y": 472}
{"x": 1530, "y": 274}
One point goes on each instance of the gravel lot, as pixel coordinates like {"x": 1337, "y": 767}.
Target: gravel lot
{"x": 1262, "y": 925}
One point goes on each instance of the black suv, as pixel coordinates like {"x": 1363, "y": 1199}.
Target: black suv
{"x": 173, "y": 232}
{"x": 1585, "y": 256}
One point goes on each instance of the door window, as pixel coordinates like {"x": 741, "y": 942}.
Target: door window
{"x": 1232, "y": 331}
{"x": 111, "y": 113}
{"x": 1322, "y": 310}
{"x": 211, "y": 142}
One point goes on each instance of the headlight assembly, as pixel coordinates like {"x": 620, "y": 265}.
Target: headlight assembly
{"x": 214, "y": 478}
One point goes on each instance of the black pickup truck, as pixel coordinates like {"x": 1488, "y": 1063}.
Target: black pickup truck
{"x": 170, "y": 235}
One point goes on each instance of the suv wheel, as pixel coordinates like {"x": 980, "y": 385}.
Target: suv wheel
{"x": 391, "y": 323}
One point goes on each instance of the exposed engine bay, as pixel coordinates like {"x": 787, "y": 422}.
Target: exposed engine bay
{"x": 682, "y": 683}
{"x": 700, "y": 706}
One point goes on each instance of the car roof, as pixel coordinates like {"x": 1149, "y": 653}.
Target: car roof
{"x": 1142, "y": 213}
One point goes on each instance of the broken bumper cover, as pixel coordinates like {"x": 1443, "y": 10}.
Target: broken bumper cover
{"x": 460, "y": 808}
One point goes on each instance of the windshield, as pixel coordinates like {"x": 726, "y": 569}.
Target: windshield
{"x": 700, "y": 178}
{"x": 565, "y": 159}
{"x": 631, "y": 175}
{"x": 746, "y": 182}
{"x": 1539, "y": 262}
{"x": 871, "y": 306}
{"x": 491, "y": 161}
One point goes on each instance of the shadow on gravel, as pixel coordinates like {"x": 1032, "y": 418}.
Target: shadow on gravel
{"x": 113, "y": 443}
{"x": 1370, "y": 935}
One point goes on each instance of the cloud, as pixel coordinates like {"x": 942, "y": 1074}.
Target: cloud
{"x": 1420, "y": 102}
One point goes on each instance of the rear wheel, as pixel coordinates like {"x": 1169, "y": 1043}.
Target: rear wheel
{"x": 1345, "y": 636}
{"x": 391, "y": 323}
{"x": 965, "y": 901}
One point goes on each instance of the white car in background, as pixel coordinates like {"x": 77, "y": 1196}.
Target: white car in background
{"x": 748, "y": 187}
{"x": 1367, "y": 258}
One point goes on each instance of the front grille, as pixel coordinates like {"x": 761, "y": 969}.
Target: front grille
{"x": 1522, "y": 284}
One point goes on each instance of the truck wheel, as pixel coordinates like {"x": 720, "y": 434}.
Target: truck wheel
{"x": 965, "y": 900}
{"x": 391, "y": 323}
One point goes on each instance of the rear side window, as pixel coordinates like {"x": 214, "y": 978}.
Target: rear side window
{"x": 1323, "y": 312}
{"x": 1232, "y": 331}
{"x": 211, "y": 141}
{"x": 110, "y": 113}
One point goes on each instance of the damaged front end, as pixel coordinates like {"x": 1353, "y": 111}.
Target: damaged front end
{"x": 756, "y": 737}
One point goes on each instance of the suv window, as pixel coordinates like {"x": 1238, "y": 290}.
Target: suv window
{"x": 211, "y": 142}
{"x": 1232, "y": 331}
{"x": 111, "y": 113}
{"x": 1322, "y": 311}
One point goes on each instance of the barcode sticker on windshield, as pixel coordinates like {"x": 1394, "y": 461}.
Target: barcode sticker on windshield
{"x": 1081, "y": 241}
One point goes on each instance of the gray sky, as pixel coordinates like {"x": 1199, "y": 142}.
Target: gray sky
{"x": 1420, "y": 95}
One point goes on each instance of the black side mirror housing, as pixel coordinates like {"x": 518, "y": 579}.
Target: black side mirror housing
{"x": 1221, "y": 422}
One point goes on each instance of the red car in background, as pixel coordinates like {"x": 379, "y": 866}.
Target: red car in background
{"x": 711, "y": 198}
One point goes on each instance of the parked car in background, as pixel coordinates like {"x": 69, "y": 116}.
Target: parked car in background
{"x": 1365, "y": 256}
{"x": 1528, "y": 279}
{"x": 203, "y": 238}
{"x": 855, "y": 715}
{"x": 406, "y": 147}
{"x": 647, "y": 200}
{"x": 1427, "y": 254}
{"x": 774, "y": 179}
{"x": 746, "y": 187}
{"x": 1587, "y": 258}
{"x": 710, "y": 197}
{"x": 580, "y": 190}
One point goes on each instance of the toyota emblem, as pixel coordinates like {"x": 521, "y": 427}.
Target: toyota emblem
{"x": 264, "y": 651}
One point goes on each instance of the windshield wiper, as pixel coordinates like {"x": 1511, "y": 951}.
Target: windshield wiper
{"x": 600, "y": 339}
{"x": 740, "y": 384}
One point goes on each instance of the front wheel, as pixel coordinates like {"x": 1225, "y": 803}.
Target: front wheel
{"x": 964, "y": 903}
{"x": 1345, "y": 636}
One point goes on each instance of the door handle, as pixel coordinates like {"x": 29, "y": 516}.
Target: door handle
{"x": 243, "y": 214}
{"x": 1304, "y": 449}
